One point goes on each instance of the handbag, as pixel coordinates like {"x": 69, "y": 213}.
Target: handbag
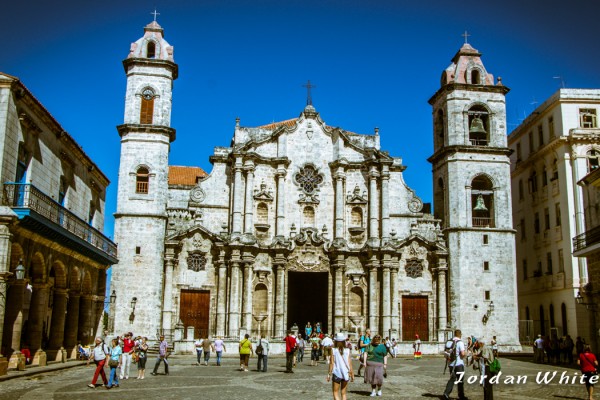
{"x": 495, "y": 366}
{"x": 113, "y": 363}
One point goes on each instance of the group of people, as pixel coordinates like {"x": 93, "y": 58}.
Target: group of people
{"x": 556, "y": 350}
{"x": 205, "y": 345}
{"x": 120, "y": 354}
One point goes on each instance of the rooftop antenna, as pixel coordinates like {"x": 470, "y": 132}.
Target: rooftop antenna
{"x": 562, "y": 81}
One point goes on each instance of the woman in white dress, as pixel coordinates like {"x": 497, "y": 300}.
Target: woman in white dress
{"x": 340, "y": 369}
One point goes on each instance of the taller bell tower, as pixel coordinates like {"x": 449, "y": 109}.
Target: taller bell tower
{"x": 140, "y": 220}
{"x": 471, "y": 178}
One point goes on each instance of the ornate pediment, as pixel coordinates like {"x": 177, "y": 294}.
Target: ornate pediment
{"x": 427, "y": 227}
{"x": 263, "y": 194}
{"x": 308, "y": 258}
{"x": 414, "y": 251}
{"x": 356, "y": 198}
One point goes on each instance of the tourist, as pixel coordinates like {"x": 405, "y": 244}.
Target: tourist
{"x": 98, "y": 355}
{"x": 206, "y": 347}
{"x": 538, "y": 350}
{"x": 245, "y": 351}
{"x": 579, "y": 345}
{"x": 162, "y": 356}
{"x": 485, "y": 356}
{"x": 142, "y": 350}
{"x": 327, "y": 346}
{"x": 588, "y": 364}
{"x": 375, "y": 359}
{"x": 301, "y": 343}
{"x": 340, "y": 368}
{"x": 198, "y": 347}
{"x": 495, "y": 346}
{"x": 308, "y": 330}
{"x": 262, "y": 352}
{"x": 417, "y": 348}
{"x": 394, "y": 347}
{"x": 457, "y": 365}
{"x": 295, "y": 349}
{"x": 318, "y": 329}
{"x": 114, "y": 362}
{"x": 290, "y": 347}
{"x": 128, "y": 348}
{"x": 569, "y": 346}
{"x": 315, "y": 342}
{"x": 219, "y": 347}
{"x": 363, "y": 342}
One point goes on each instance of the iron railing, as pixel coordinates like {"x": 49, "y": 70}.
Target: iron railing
{"x": 483, "y": 222}
{"x": 27, "y": 196}
{"x": 586, "y": 239}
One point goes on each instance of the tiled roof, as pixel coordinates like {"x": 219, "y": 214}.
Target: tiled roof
{"x": 272, "y": 126}
{"x": 179, "y": 175}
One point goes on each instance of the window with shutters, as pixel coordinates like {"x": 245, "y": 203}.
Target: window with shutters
{"x": 142, "y": 180}
{"x": 587, "y": 118}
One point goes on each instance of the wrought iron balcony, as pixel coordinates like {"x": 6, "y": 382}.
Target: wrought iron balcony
{"x": 587, "y": 242}
{"x": 483, "y": 222}
{"x": 38, "y": 211}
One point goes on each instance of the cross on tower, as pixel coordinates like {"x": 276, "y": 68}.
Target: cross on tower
{"x": 155, "y": 14}
{"x": 308, "y": 86}
{"x": 466, "y": 36}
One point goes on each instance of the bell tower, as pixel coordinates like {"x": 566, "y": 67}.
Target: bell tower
{"x": 471, "y": 186}
{"x": 140, "y": 220}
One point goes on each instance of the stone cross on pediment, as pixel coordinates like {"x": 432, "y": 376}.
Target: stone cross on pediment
{"x": 263, "y": 194}
{"x": 356, "y": 198}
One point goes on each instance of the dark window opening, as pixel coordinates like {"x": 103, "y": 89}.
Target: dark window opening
{"x": 151, "y": 50}
{"x": 142, "y": 180}
{"x": 138, "y": 250}
{"x": 482, "y": 202}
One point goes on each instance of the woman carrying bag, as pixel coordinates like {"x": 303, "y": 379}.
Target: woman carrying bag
{"x": 114, "y": 361}
{"x": 340, "y": 368}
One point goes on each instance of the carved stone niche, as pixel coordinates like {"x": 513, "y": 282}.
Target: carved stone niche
{"x": 355, "y": 278}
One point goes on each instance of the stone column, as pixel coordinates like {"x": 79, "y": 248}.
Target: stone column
{"x": 247, "y": 311}
{"x": 17, "y": 295}
{"x": 373, "y": 203}
{"x": 3, "y": 294}
{"x": 385, "y": 202}
{"x": 280, "y": 201}
{"x": 72, "y": 324}
{"x": 221, "y": 298}
{"x": 338, "y": 311}
{"x": 442, "y": 299}
{"x": 395, "y": 299}
{"x": 237, "y": 197}
{"x": 373, "y": 323}
{"x": 339, "y": 203}
{"x": 249, "y": 207}
{"x": 57, "y": 326}
{"x": 37, "y": 316}
{"x": 85, "y": 317}
{"x": 167, "y": 309}
{"x": 386, "y": 298}
{"x": 279, "y": 300}
{"x": 234, "y": 300}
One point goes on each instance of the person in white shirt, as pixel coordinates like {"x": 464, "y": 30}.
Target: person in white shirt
{"x": 198, "y": 346}
{"x": 327, "y": 345}
{"x": 538, "y": 350}
{"x": 340, "y": 368}
{"x": 262, "y": 358}
{"x": 457, "y": 365}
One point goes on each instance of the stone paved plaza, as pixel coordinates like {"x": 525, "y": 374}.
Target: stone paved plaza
{"x": 407, "y": 379}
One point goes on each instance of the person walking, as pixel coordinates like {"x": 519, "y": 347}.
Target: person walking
{"x": 262, "y": 351}
{"x": 245, "y": 351}
{"x": 142, "y": 350}
{"x": 315, "y": 342}
{"x": 340, "y": 368}
{"x": 98, "y": 356}
{"x": 114, "y": 362}
{"x": 588, "y": 364}
{"x": 301, "y": 344}
{"x": 456, "y": 363}
{"x": 290, "y": 347}
{"x": 162, "y": 356}
{"x": 128, "y": 348}
{"x": 219, "y": 347}
{"x": 375, "y": 358}
{"x": 198, "y": 347}
{"x": 327, "y": 346}
{"x": 363, "y": 342}
{"x": 206, "y": 347}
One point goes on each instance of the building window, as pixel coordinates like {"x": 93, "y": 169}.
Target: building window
{"x": 522, "y": 225}
{"x": 479, "y": 126}
{"x": 540, "y": 130}
{"x": 592, "y": 160}
{"x": 485, "y": 239}
{"x": 475, "y": 77}
{"x": 544, "y": 177}
{"x": 262, "y": 213}
{"x": 554, "y": 170}
{"x": 91, "y": 213}
{"x": 151, "y": 50}
{"x": 561, "y": 261}
{"x": 538, "y": 271}
{"x": 309, "y": 179}
{"x": 520, "y": 189}
{"x": 557, "y": 216}
{"x": 551, "y": 312}
{"x": 587, "y": 118}
{"x": 482, "y": 202}
{"x": 524, "y": 266}
{"x": 439, "y": 128}
{"x": 536, "y": 223}
{"x": 549, "y": 263}
{"x": 147, "y": 108}
{"x": 142, "y": 179}
{"x": 486, "y": 265}
{"x": 487, "y": 295}
{"x": 62, "y": 191}
{"x": 356, "y": 217}
{"x": 519, "y": 152}
{"x": 530, "y": 137}
{"x": 527, "y": 316}
{"x": 309, "y": 216}
{"x": 138, "y": 250}
{"x": 196, "y": 262}
{"x": 414, "y": 268}
{"x": 551, "y": 127}
{"x": 546, "y": 218}
{"x": 533, "y": 184}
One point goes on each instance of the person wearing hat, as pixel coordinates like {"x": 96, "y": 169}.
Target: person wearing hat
{"x": 340, "y": 368}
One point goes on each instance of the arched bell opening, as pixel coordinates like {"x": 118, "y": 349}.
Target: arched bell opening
{"x": 479, "y": 126}
{"x": 482, "y": 202}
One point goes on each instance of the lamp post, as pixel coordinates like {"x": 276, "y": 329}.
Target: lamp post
{"x": 110, "y": 302}
{"x": 132, "y": 315}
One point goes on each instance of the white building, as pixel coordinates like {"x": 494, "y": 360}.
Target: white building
{"x": 555, "y": 147}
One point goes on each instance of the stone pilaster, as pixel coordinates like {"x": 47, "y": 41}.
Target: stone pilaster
{"x": 338, "y": 311}
{"x": 57, "y": 325}
{"x": 280, "y": 176}
{"x": 72, "y": 324}
{"x": 249, "y": 207}
{"x": 237, "y": 197}
{"x": 385, "y": 202}
{"x": 247, "y": 308}
{"x": 442, "y": 268}
{"x": 373, "y": 304}
{"x": 221, "y": 297}
{"x": 279, "y": 265}
{"x": 167, "y": 307}
{"x": 386, "y": 309}
{"x": 234, "y": 300}
{"x": 85, "y": 317}
{"x": 395, "y": 298}
{"x": 3, "y": 292}
{"x": 339, "y": 203}
{"x": 373, "y": 203}
{"x": 37, "y": 316}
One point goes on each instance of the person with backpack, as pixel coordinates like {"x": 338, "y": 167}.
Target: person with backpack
{"x": 455, "y": 354}
{"x": 262, "y": 351}
{"x": 245, "y": 351}
{"x": 489, "y": 365}
{"x": 98, "y": 355}
{"x": 363, "y": 343}
{"x": 315, "y": 342}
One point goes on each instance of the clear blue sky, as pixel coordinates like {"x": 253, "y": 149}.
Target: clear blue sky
{"x": 375, "y": 63}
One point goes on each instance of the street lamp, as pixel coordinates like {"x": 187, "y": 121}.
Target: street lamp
{"x": 132, "y": 315}
{"x": 488, "y": 313}
{"x": 580, "y": 300}
{"x": 20, "y": 271}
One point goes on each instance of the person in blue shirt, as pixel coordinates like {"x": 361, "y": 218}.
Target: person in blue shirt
{"x": 114, "y": 362}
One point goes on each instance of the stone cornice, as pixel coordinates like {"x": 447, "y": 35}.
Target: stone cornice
{"x": 151, "y": 129}
{"x": 147, "y": 62}
{"x": 503, "y": 151}
{"x": 467, "y": 87}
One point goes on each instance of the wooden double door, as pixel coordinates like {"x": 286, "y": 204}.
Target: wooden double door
{"x": 194, "y": 311}
{"x": 415, "y": 318}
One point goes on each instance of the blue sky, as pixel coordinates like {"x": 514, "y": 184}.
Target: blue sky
{"x": 375, "y": 63}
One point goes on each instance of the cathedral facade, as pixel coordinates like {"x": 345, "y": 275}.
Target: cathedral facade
{"x": 301, "y": 221}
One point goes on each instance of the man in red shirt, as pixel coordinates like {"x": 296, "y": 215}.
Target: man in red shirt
{"x": 588, "y": 364}
{"x": 128, "y": 345}
{"x": 290, "y": 347}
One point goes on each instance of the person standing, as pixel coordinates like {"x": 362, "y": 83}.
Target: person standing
{"x": 340, "y": 368}
{"x": 327, "y": 346}
{"x": 375, "y": 358}
{"x": 588, "y": 364}
{"x": 198, "y": 347}
{"x": 308, "y": 330}
{"x": 290, "y": 347}
{"x": 114, "y": 362}
{"x": 301, "y": 345}
{"x": 417, "y": 348}
{"x": 219, "y": 349}
{"x": 128, "y": 347}
{"x": 363, "y": 342}
{"x": 162, "y": 356}
{"x": 457, "y": 364}
{"x": 245, "y": 351}
{"x": 263, "y": 355}
{"x": 569, "y": 346}
{"x": 98, "y": 355}
{"x": 142, "y": 350}
{"x": 538, "y": 350}
{"x": 318, "y": 329}
{"x": 315, "y": 342}
{"x": 206, "y": 347}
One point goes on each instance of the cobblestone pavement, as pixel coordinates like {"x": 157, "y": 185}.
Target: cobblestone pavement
{"x": 407, "y": 379}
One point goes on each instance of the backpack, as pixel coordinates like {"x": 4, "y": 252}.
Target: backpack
{"x": 451, "y": 350}
{"x": 259, "y": 349}
{"x": 315, "y": 345}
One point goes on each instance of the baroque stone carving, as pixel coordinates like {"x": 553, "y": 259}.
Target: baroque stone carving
{"x": 414, "y": 268}
{"x": 415, "y": 204}
{"x": 197, "y": 195}
{"x": 196, "y": 261}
